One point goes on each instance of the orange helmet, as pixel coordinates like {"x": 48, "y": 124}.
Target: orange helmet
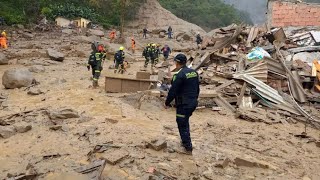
{"x": 100, "y": 48}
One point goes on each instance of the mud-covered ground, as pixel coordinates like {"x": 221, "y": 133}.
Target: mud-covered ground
{"x": 224, "y": 147}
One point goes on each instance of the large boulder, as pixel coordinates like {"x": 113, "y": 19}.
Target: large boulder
{"x": 162, "y": 35}
{"x": 88, "y": 39}
{"x": 17, "y": 78}
{"x": 184, "y": 36}
{"x": 157, "y": 31}
{"x": 3, "y": 59}
{"x": 94, "y": 32}
{"x": 27, "y": 35}
{"x": 55, "y": 55}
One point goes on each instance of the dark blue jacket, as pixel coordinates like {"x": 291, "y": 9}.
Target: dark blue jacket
{"x": 185, "y": 88}
{"x": 119, "y": 57}
{"x": 166, "y": 51}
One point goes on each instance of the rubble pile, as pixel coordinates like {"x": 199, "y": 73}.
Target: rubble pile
{"x": 256, "y": 73}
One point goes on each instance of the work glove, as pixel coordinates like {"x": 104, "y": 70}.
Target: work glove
{"x": 88, "y": 68}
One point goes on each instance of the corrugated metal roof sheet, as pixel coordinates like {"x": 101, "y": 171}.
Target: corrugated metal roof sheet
{"x": 259, "y": 71}
{"x": 268, "y": 93}
{"x": 275, "y": 66}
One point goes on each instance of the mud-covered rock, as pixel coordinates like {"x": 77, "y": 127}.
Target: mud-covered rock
{"x": 162, "y": 35}
{"x": 65, "y": 113}
{"x": 88, "y": 39}
{"x": 115, "y": 156}
{"x": 7, "y": 131}
{"x": 184, "y": 36}
{"x": 20, "y": 26}
{"x": 34, "y": 92}
{"x": 55, "y": 55}
{"x": 22, "y": 127}
{"x": 17, "y": 78}
{"x": 157, "y": 31}
{"x": 3, "y": 59}
{"x": 37, "y": 68}
{"x": 27, "y": 35}
{"x": 157, "y": 144}
{"x": 67, "y": 31}
{"x": 94, "y": 32}
{"x": 249, "y": 161}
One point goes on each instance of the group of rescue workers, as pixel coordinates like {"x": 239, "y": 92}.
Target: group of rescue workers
{"x": 97, "y": 58}
{"x": 184, "y": 84}
{"x": 152, "y": 53}
{"x": 184, "y": 87}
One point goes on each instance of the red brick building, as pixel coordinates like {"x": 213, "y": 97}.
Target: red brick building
{"x": 283, "y": 13}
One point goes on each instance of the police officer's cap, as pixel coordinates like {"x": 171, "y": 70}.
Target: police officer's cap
{"x": 181, "y": 58}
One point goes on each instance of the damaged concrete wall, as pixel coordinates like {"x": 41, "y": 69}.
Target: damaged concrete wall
{"x": 291, "y": 13}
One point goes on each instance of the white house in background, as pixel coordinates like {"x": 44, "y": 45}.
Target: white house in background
{"x": 62, "y": 22}
{"x": 78, "y": 22}
{"x": 81, "y": 22}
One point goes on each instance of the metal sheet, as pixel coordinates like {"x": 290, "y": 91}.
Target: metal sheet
{"x": 263, "y": 89}
{"x": 259, "y": 71}
{"x": 269, "y": 94}
{"x": 274, "y": 66}
{"x": 316, "y": 36}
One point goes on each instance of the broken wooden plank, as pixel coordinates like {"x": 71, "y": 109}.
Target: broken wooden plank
{"x": 304, "y": 49}
{"x": 243, "y": 90}
{"x": 252, "y": 35}
{"x": 94, "y": 170}
{"x": 225, "y": 84}
{"x": 203, "y": 59}
{"x": 222, "y": 102}
{"x": 282, "y": 60}
{"x": 220, "y": 45}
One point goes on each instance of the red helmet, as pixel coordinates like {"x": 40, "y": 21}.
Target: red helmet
{"x": 100, "y": 48}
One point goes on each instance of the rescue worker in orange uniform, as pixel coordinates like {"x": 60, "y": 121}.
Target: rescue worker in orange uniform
{"x": 112, "y": 35}
{"x": 133, "y": 45}
{"x": 3, "y": 42}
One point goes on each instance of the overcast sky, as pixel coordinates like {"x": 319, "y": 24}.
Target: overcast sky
{"x": 256, "y": 8}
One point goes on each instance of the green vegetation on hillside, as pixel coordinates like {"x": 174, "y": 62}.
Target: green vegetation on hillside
{"x": 104, "y": 12}
{"x": 207, "y": 13}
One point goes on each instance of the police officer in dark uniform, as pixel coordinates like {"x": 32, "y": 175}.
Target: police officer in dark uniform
{"x": 185, "y": 90}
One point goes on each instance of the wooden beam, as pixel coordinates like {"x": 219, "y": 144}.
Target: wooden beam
{"x": 243, "y": 90}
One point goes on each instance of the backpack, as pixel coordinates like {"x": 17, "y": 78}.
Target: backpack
{"x": 118, "y": 56}
{"x": 92, "y": 60}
